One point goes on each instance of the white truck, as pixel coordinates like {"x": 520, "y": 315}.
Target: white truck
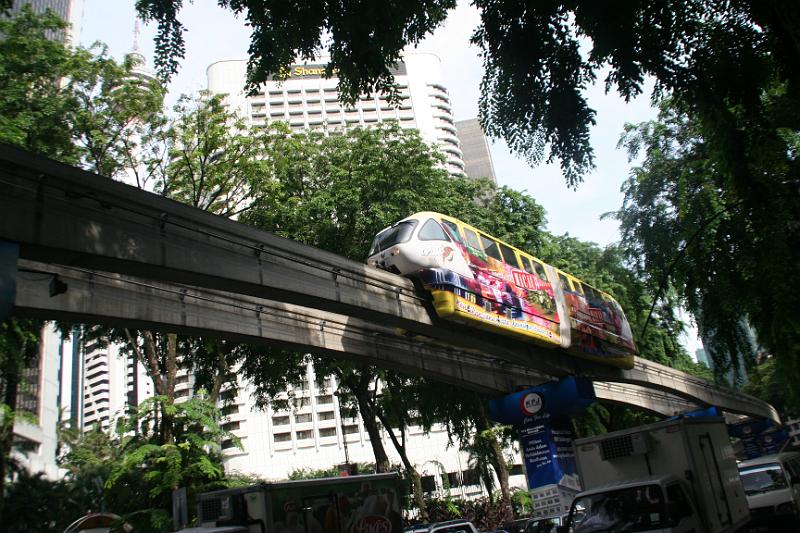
{"x": 353, "y": 504}
{"x": 678, "y": 475}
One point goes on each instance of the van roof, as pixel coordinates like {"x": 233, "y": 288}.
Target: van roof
{"x": 781, "y": 457}
{"x": 630, "y": 483}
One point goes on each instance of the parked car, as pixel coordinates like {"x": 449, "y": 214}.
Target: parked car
{"x": 544, "y": 525}
{"x": 517, "y": 526}
{"x": 772, "y": 486}
{"x": 452, "y": 526}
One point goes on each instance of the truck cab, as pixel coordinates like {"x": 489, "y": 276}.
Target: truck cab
{"x": 654, "y": 504}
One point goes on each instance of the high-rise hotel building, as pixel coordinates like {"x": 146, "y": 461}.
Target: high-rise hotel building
{"x": 308, "y": 101}
{"x": 317, "y": 432}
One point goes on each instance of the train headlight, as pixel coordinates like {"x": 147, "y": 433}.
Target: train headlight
{"x": 395, "y": 251}
{"x": 785, "y": 507}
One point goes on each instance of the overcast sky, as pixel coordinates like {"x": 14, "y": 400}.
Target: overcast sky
{"x": 214, "y": 34}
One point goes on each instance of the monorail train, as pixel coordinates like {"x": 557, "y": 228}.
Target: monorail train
{"x": 479, "y": 280}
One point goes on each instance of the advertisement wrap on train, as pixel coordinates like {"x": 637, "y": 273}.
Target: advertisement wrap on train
{"x": 479, "y": 280}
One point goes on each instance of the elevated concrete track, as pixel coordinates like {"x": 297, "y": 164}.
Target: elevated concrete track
{"x": 62, "y": 216}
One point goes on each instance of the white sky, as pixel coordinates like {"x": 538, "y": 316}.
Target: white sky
{"x": 214, "y": 34}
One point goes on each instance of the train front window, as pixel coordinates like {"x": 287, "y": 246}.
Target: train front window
{"x": 453, "y": 231}
{"x": 400, "y": 232}
{"x": 432, "y": 231}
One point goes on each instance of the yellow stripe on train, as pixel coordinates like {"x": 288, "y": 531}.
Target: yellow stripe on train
{"x": 452, "y": 307}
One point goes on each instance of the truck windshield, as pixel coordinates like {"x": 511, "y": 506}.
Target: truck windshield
{"x": 639, "y": 508}
{"x": 762, "y": 478}
{"x": 398, "y": 233}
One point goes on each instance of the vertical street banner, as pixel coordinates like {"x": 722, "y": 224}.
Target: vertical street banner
{"x": 759, "y": 437}
{"x": 546, "y": 443}
{"x": 542, "y": 416}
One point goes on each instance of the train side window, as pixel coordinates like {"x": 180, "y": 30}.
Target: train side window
{"x": 508, "y": 255}
{"x": 432, "y": 231}
{"x": 539, "y": 270}
{"x": 526, "y": 264}
{"x": 490, "y": 247}
{"x": 472, "y": 239}
{"x": 565, "y": 282}
{"x": 453, "y": 231}
{"x": 579, "y": 288}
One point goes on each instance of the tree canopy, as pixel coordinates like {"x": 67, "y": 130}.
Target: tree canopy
{"x": 723, "y": 238}
{"x": 539, "y": 57}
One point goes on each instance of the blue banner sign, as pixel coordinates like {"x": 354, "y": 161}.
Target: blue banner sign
{"x": 547, "y": 451}
{"x": 759, "y": 437}
{"x": 542, "y": 415}
{"x": 567, "y": 397}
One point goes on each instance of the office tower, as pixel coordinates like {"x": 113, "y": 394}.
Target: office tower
{"x": 317, "y": 432}
{"x": 307, "y": 101}
{"x": 35, "y": 438}
{"x": 475, "y": 147}
{"x": 71, "y": 11}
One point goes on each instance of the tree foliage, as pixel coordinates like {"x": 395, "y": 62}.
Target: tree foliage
{"x": 722, "y": 237}
{"x": 75, "y": 105}
{"x": 539, "y": 58}
{"x": 133, "y": 471}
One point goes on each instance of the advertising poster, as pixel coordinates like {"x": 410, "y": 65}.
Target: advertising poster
{"x": 547, "y": 451}
{"x": 759, "y": 437}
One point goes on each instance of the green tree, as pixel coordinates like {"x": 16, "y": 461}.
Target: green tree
{"x": 36, "y": 111}
{"x": 693, "y": 229}
{"x": 336, "y": 192}
{"x": 19, "y": 349}
{"x": 140, "y": 483}
{"x": 538, "y": 58}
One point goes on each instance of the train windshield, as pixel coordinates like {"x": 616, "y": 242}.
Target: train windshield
{"x": 400, "y": 232}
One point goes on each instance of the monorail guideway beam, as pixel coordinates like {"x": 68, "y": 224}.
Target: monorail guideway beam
{"x": 98, "y": 297}
{"x": 62, "y": 215}
{"x": 113, "y": 299}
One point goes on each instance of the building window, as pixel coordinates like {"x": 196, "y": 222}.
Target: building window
{"x": 324, "y": 400}
{"x": 25, "y": 444}
{"x": 428, "y": 484}
{"x": 230, "y": 409}
{"x": 305, "y": 435}
{"x": 453, "y": 479}
{"x": 327, "y": 432}
{"x": 347, "y": 430}
{"x": 326, "y": 415}
{"x": 470, "y": 477}
{"x": 282, "y": 437}
{"x": 227, "y": 444}
{"x": 303, "y": 418}
{"x": 230, "y": 426}
{"x": 280, "y": 420}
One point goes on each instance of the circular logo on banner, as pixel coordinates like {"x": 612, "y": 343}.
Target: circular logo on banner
{"x": 531, "y": 403}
